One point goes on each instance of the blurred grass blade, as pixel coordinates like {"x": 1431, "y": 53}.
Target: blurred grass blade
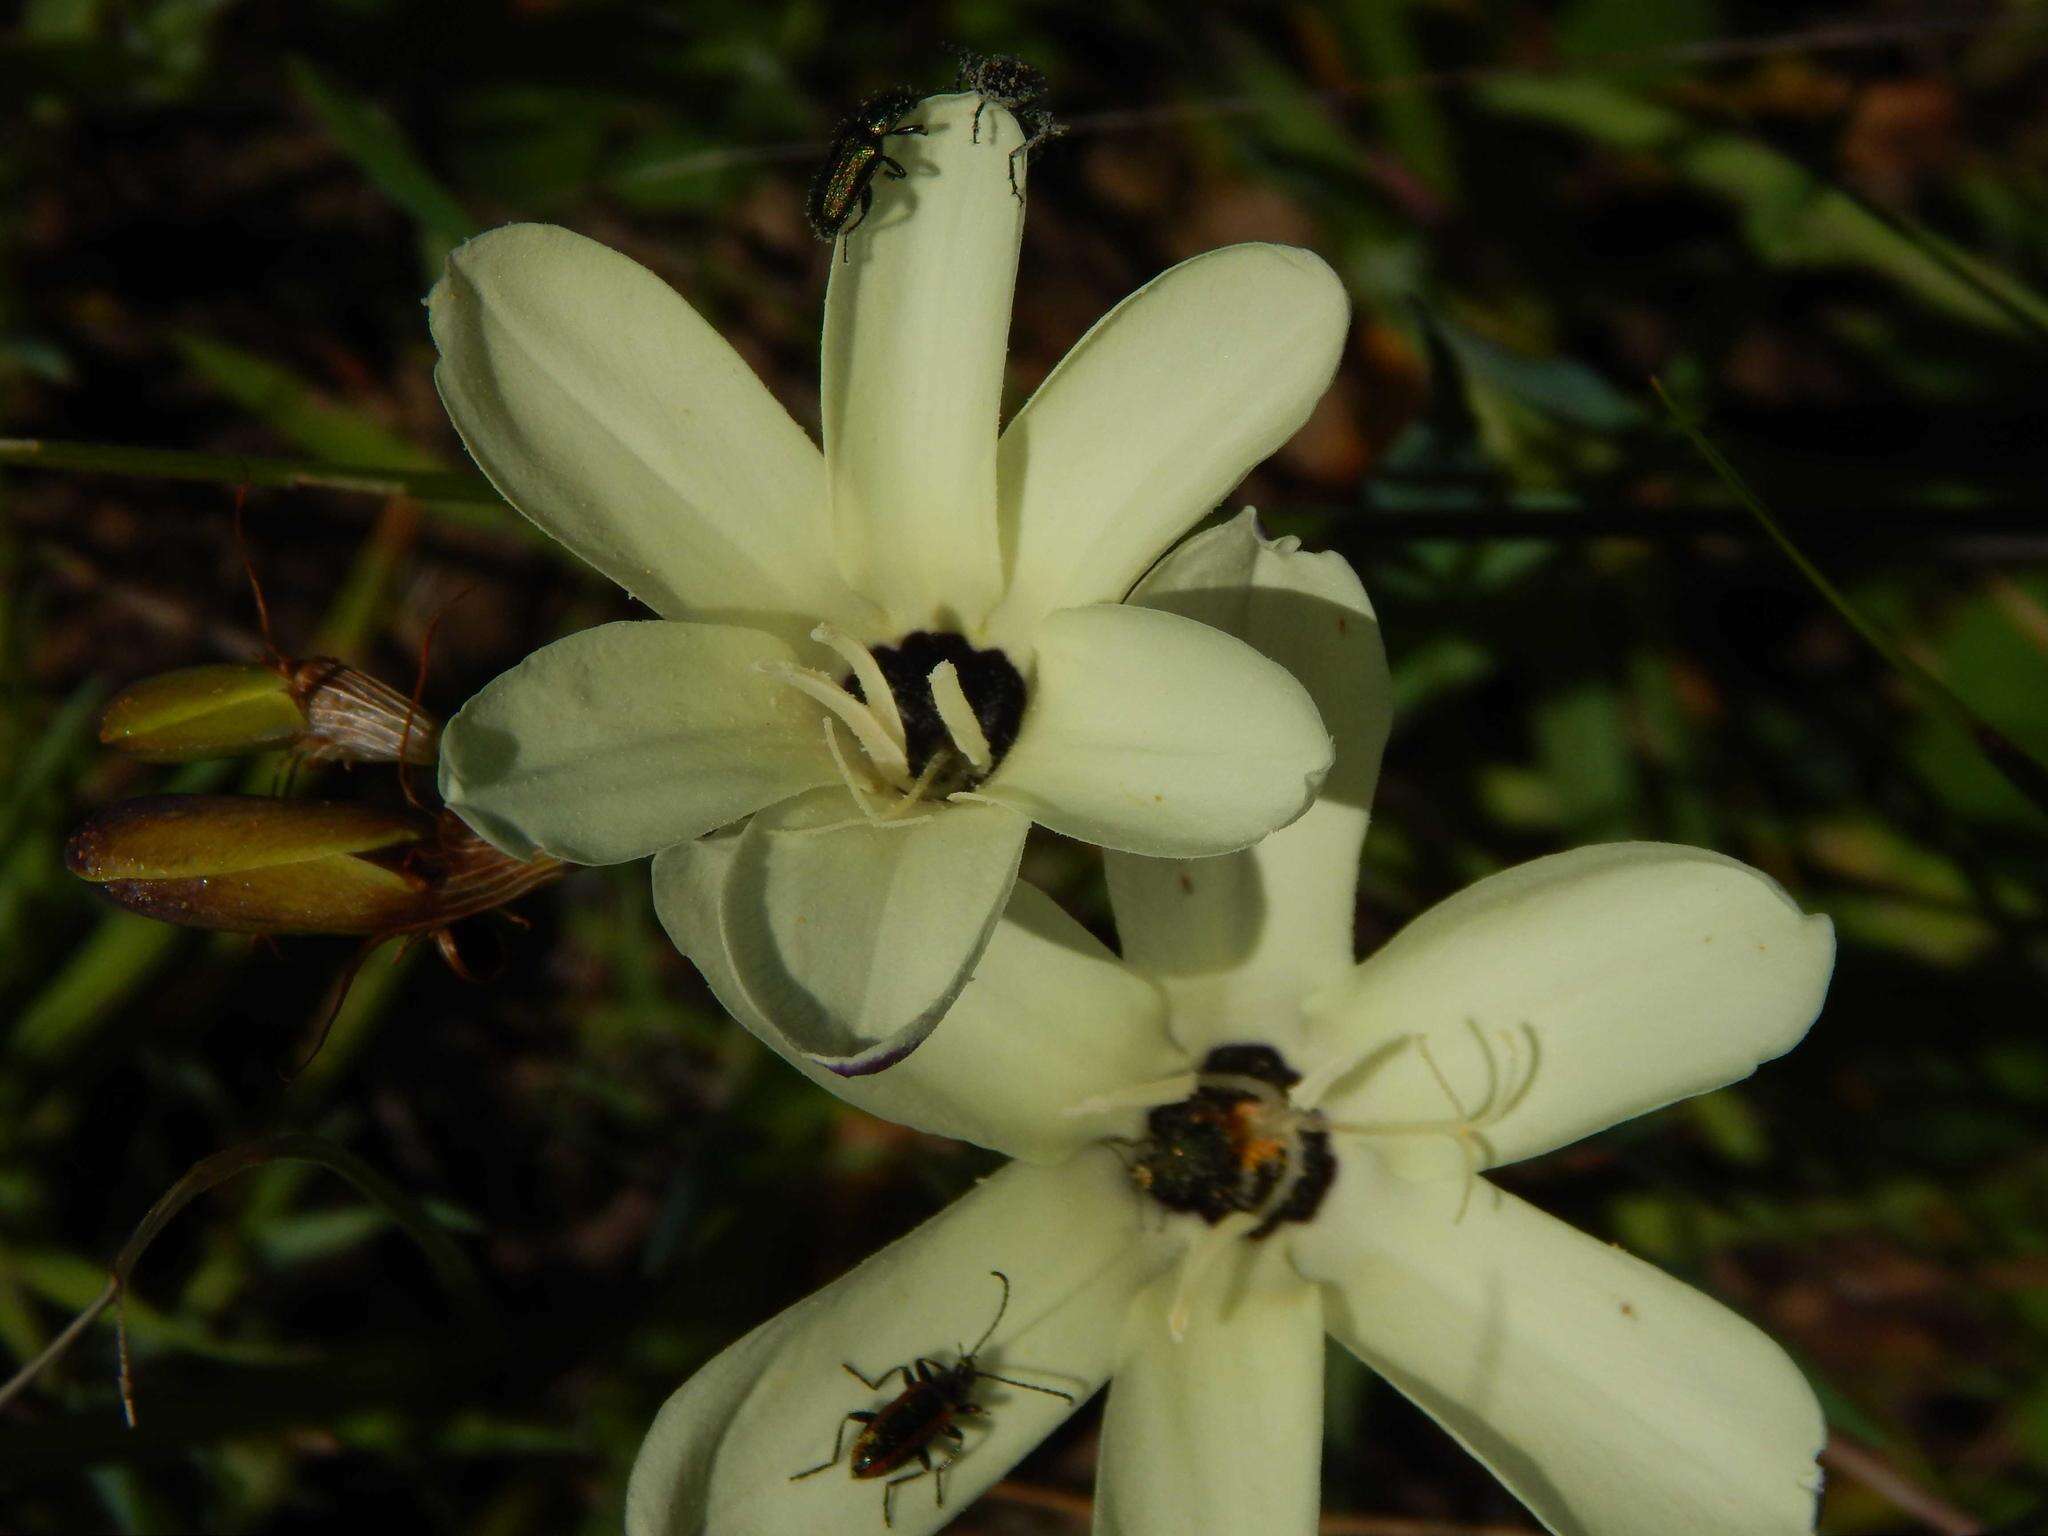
{"x": 1998, "y": 288}
{"x": 451, "y": 1267}
{"x": 298, "y": 411}
{"x": 1791, "y": 216}
{"x": 60, "y": 740}
{"x": 370, "y": 138}
{"x": 431, "y": 486}
{"x": 2025, "y": 772}
{"x": 1382, "y": 33}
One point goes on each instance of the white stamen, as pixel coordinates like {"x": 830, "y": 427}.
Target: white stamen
{"x": 884, "y": 753}
{"x": 1170, "y": 1090}
{"x": 914, "y": 796}
{"x": 856, "y": 785}
{"x": 1465, "y": 1127}
{"x": 961, "y": 723}
{"x": 881, "y": 698}
{"x": 1200, "y": 1258}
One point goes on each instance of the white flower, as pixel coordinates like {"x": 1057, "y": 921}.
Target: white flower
{"x": 896, "y": 654}
{"x": 1540, "y": 1005}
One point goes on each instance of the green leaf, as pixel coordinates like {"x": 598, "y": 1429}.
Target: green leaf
{"x": 371, "y": 139}
{"x": 298, "y": 412}
{"x": 1791, "y": 216}
{"x": 2024, "y": 771}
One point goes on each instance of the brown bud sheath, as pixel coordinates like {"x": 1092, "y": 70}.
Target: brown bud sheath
{"x": 352, "y": 717}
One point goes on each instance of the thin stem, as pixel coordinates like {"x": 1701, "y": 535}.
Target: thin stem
{"x": 2020, "y": 768}
{"x": 1887, "y": 1482}
{"x": 242, "y": 469}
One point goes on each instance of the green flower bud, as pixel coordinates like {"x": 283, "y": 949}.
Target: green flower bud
{"x": 200, "y": 712}
{"x": 321, "y": 709}
{"x": 245, "y": 864}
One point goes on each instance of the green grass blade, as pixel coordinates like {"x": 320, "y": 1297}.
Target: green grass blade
{"x": 450, "y": 1265}
{"x": 371, "y": 139}
{"x": 2025, "y": 772}
{"x": 436, "y": 486}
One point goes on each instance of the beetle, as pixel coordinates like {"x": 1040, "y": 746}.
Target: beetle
{"x": 902, "y": 1430}
{"x": 851, "y": 164}
{"x": 1004, "y": 80}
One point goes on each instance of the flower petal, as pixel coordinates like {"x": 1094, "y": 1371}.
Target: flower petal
{"x": 1049, "y": 1018}
{"x": 628, "y": 738}
{"x": 917, "y": 320}
{"x": 1156, "y": 413}
{"x": 1615, "y": 979}
{"x": 1610, "y": 1398}
{"x": 1249, "y": 935}
{"x": 606, "y": 410}
{"x": 1221, "y": 1430}
{"x": 1154, "y": 734}
{"x": 853, "y": 937}
{"x": 723, "y": 1454}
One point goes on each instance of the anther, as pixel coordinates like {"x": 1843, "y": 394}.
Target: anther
{"x": 959, "y": 717}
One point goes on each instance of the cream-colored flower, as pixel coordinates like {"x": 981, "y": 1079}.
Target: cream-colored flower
{"x": 1237, "y": 1140}
{"x": 896, "y": 654}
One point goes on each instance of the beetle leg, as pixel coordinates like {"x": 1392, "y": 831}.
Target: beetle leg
{"x": 889, "y": 1488}
{"x": 876, "y": 1384}
{"x": 893, "y": 168}
{"x": 976, "y": 139}
{"x": 939, "y": 1472}
{"x": 867, "y": 201}
{"x": 838, "y": 1440}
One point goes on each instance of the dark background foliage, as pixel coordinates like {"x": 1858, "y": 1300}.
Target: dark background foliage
{"x": 217, "y": 218}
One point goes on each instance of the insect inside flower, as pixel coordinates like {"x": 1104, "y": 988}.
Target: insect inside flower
{"x": 1237, "y": 1143}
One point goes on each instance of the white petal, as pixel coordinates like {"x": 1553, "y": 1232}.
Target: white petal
{"x": 628, "y": 738}
{"x": 1616, "y": 979}
{"x": 1250, "y": 934}
{"x": 1155, "y": 734}
{"x": 1050, "y": 1018}
{"x": 1610, "y": 1398}
{"x": 1221, "y": 1430}
{"x": 917, "y": 320}
{"x": 721, "y": 1455}
{"x": 1156, "y": 413}
{"x": 605, "y": 409}
{"x": 854, "y": 938}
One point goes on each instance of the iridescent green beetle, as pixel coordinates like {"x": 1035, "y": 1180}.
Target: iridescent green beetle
{"x": 856, "y": 156}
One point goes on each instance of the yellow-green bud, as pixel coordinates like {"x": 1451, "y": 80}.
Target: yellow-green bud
{"x": 245, "y": 864}
{"x": 200, "y": 712}
{"x": 321, "y": 709}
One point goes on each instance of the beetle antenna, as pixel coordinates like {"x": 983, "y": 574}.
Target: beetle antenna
{"x": 1011, "y": 1381}
{"x": 412, "y": 707}
{"x": 271, "y": 653}
{"x": 337, "y": 994}
{"x": 1001, "y": 1307}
